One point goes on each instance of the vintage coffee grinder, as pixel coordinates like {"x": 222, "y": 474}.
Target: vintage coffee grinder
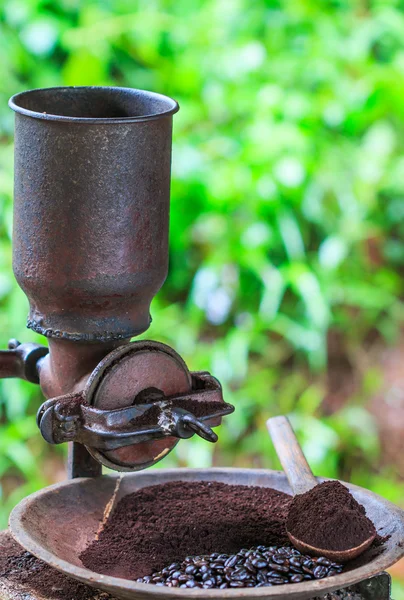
{"x": 91, "y": 219}
{"x": 90, "y": 251}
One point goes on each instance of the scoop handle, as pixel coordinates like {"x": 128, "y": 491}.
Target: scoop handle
{"x": 293, "y": 461}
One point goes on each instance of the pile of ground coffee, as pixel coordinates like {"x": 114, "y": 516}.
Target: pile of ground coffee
{"x": 162, "y": 524}
{"x": 329, "y": 517}
{"x": 261, "y": 566}
{"x": 23, "y": 571}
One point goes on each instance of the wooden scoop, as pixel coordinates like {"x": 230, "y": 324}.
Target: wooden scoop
{"x": 301, "y": 480}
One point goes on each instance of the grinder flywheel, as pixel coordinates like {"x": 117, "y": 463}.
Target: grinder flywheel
{"x": 121, "y": 378}
{"x": 137, "y": 403}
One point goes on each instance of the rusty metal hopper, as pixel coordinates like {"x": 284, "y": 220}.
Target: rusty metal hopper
{"x": 91, "y": 208}
{"x": 75, "y": 510}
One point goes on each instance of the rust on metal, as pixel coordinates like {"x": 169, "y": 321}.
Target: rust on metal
{"x": 90, "y": 251}
{"x": 21, "y": 360}
{"x": 69, "y": 419}
{"x": 80, "y": 463}
{"x": 124, "y": 386}
{"x": 91, "y": 208}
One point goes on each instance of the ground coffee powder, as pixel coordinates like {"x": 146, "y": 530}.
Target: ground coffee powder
{"x": 21, "y": 570}
{"x": 329, "y": 517}
{"x": 161, "y": 524}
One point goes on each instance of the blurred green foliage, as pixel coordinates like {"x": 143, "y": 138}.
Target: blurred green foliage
{"x": 287, "y": 206}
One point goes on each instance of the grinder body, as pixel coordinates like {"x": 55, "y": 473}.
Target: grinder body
{"x": 90, "y": 251}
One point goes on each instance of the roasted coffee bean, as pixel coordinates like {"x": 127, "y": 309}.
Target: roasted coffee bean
{"x": 279, "y": 568}
{"x": 295, "y": 562}
{"x": 250, "y": 567}
{"x": 190, "y": 570}
{"x": 261, "y": 566}
{"x": 308, "y": 570}
{"x": 320, "y": 572}
{"x": 278, "y": 559}
{"x": 231, "y": 561}
{"x": 176, "y": 574}
{"x": 259, "y": 563}
{"x": 262, "y": 577}
{"x": 323, "y": 561}
{"x": 219, "y": 566}
{"x": 240, "y": 575}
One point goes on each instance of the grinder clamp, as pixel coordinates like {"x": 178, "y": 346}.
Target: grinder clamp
{"x": 137, "y": 403}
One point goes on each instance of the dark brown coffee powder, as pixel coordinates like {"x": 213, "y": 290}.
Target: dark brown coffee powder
{"x": 21, "y": 570}
{"x": 161, "y": 524}
{"x": 329, "y": 517}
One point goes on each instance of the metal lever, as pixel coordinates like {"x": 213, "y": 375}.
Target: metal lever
{"x": 21, "y": 360}
{"x": 186, "y": 421}
{"x": 68, "y": 419}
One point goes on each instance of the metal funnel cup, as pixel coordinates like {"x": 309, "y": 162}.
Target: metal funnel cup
{"x": 91, "y": 210}
{"x": 91, "y": 218}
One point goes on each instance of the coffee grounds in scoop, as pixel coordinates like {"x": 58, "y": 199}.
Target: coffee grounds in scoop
{"x": 328, "y": 517}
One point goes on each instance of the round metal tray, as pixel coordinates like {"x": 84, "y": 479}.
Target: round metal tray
{"x": 57, "y": 523}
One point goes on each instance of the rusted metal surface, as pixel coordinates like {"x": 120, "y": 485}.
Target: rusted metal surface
{"x": 76, "y": 509}
{"x": 91, "y": 217}
{"x": 125, "y": 385}
{"x": 21, "y": 360}
{"x": 80, "y": 463}
{"x": 91, "y": 208}
{"x": 119, "y": 378}
{"x": 69, "y": 364}
{"x": 70, "y": 419}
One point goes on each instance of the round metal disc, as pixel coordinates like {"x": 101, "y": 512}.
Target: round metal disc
{"x": 116, "y": 382}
